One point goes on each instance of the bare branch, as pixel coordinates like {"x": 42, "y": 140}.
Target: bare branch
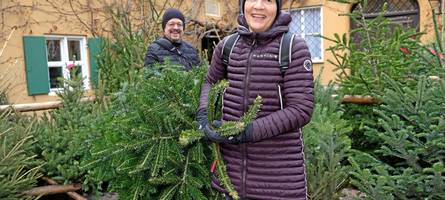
{"x": 52, "y": 189}
{"x": 80, "y": 20}
{"x": 7, "y": 40}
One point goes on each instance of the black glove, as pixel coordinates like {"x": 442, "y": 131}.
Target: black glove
{"x": 245, "y": 136}
{"x": 215, "y": 136}
{"x": 201, "y": 118}
{"x": 210, "y": 134}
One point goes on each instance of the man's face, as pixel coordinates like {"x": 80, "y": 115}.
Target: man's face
{"x": 174, "y": 30}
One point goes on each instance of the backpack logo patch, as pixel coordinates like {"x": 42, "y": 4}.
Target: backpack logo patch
{"x": 307, "y": 65}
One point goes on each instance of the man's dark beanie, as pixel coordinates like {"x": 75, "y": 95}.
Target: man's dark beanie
{"x": 170, "y": 14}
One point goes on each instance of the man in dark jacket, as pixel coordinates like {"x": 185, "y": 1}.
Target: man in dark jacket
{"x": 171, "y": 47}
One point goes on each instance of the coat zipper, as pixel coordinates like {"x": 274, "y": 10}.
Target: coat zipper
{"x": 280, "y": 96}
{"x": 245, "y": 103}
{"x": 222, "y": 103}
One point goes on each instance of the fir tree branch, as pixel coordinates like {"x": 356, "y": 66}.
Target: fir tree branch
{"x": 185, "y": 168}
{"x": 169, "y": 192}
{"x": 147, "y": 156}
{"x": 135, "y": 196}
{"x": 222, "y": 172}
{"x": 231, "y": 128}
{"x": 155, "y": 165}
{"x": 212, "y": 100}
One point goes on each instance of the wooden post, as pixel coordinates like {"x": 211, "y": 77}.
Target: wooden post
{"x": 357, "y": 99}
{"x": 38, "y": 106}
{"x": 73, "y": 195}
{"x": 52, "y": 189}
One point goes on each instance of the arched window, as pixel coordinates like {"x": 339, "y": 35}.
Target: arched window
{"x": 400, "y": 12}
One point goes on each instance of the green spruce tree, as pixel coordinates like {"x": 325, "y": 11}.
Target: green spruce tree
{"x": 64, "y": 136}
{"x": 409, "y": 163}
{"x": 138, "y": 149}
{"x": 19, "y": 169}
{"x": 327, "y": 146}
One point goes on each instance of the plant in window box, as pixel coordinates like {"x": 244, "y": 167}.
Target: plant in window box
{"x": 74, "y": 83}
{"x": 75, "y": 70}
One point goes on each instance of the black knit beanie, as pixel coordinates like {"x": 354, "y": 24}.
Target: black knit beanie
{"x": 170, "y": 14}
{"x": 279, "y": 4}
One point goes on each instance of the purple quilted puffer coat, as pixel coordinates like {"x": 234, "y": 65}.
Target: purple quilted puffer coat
{"x": 272, "y": 165}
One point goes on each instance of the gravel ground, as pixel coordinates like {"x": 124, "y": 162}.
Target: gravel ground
{"x": 351, "y": 194}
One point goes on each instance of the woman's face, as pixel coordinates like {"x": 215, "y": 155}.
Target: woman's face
{"x": 260, "y": 14}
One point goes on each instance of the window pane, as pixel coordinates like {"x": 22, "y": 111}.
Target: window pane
{"x": 295, "y": 25}
{"x": 54, "y": 74}
{"x": 212, "y": 7}
{"x": 376, "y": 6}
{"x": 308, "y": 22}
{"x": 403, "y": 13}
{"x": 53, "y": 50}
{"x": 74, "y": 50}
{"x": 314, "y": 44}
{"x": 312, "y": 21}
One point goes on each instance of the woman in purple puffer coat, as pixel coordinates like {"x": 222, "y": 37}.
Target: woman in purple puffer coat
{"x": 267, "y": 160}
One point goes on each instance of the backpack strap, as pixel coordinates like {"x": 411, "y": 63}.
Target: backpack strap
{"x": 228, "y": 47}
{"x": 166, "y": 44}
{"x": 285, "y": 57}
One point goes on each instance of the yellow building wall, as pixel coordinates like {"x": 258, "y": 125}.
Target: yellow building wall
{"x": 334, "y": 23}
{"x": 426, "y": 18}
{"x": 331, "y": 23}
{"x": 72, "y": 18}
{"x": 27, "y": 17}
{"x": 43, "y": 17}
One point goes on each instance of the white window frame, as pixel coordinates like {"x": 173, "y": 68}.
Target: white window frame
{"x": 321, "y": 59}
{"x": 64, "y": 57}
{"x": 217, "y": 4}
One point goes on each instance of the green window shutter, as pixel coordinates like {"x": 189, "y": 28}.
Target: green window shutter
{"x": 37, "y": 76}
{"x": 94, "y": 47}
